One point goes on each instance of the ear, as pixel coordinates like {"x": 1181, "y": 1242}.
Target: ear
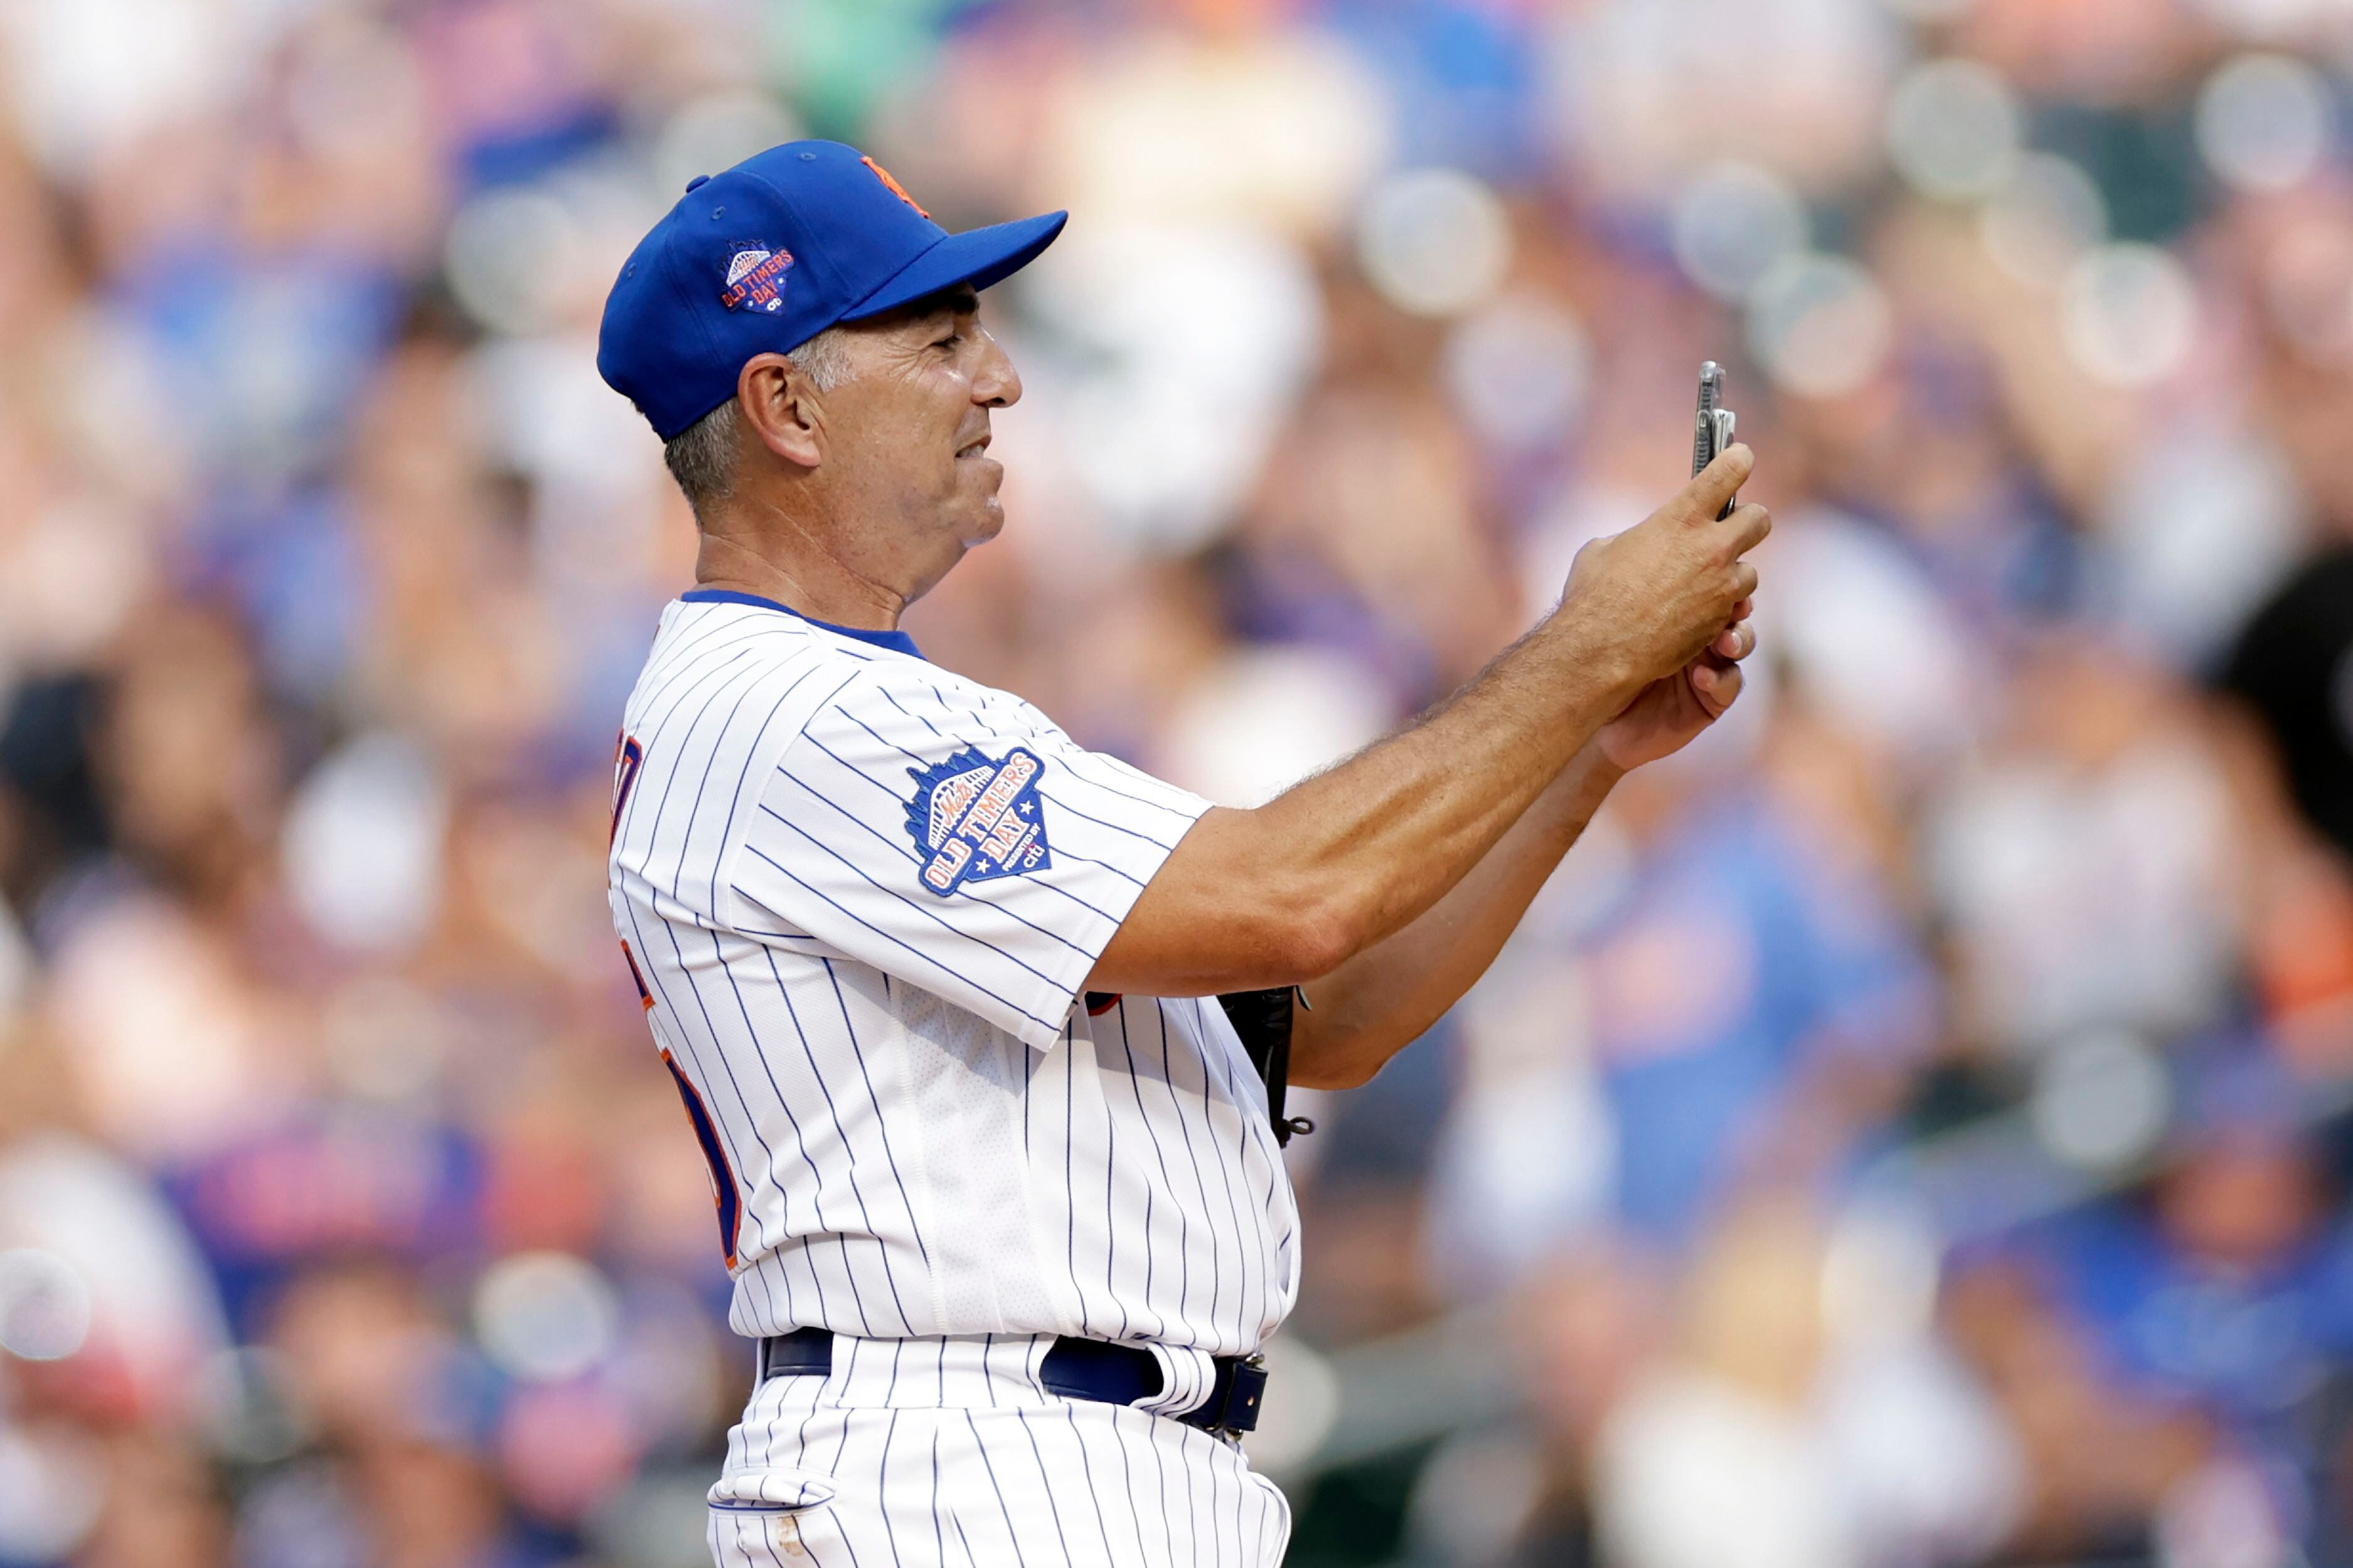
{"x": 782, "y": 408}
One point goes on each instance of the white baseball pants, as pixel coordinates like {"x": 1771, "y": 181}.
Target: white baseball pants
{"x": 946, "y": 1453}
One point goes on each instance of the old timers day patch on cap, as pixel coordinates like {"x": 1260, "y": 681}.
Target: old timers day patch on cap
{"x": 755, "y": 279}
{"x": 973, "y": 818}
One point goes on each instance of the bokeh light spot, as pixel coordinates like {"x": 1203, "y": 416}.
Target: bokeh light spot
{"x": 1954, "y": 128}
{"x": 363, "y": 844}
{"x": 45, "y": 1307}
{"x": 545, "y": 1316}
{"x": 2037, "y": 225}
{"x": 2100, "y": 1101}
{"x": 1733, "y": 224}
{"x": 1820, "y": 325}
{"x": 1434, "y": 241}
{"x": 508, "y": 256}
{"x": 1519, "y": 368}
{"x": 2129, "y": 315}
{"x": 2263, "y": 122}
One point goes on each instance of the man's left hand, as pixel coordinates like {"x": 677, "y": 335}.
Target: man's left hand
{"x": 1672, "y": 710}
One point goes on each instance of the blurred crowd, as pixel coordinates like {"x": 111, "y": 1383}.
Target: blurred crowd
{"x": 1911, "y": 1130}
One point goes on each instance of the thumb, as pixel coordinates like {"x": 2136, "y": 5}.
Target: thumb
{"x": 1719, "y": 481}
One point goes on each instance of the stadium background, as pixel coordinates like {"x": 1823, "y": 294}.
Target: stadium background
{"x": 1909, "y": 1132}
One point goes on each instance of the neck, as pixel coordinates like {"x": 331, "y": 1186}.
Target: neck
{"x": 781, "y": 557}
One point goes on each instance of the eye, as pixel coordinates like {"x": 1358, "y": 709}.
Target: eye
{"x": 949, "y": 342}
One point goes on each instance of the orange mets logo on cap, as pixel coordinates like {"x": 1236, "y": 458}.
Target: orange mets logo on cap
{"x": 897, "y": 189}
{"x": 755, "y": 279}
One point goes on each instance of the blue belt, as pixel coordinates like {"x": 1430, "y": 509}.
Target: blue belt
{"x": 1075, "y": 1368}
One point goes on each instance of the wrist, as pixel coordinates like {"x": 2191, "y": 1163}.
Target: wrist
{"x": 1597, "y": 768}
{"x": 1607, "y": 671}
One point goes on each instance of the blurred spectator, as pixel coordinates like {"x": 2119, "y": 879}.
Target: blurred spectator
{"x": 1743, "y": 999}
{"x": 2213, "y": 1311}
{"x": 1764, "y": 1440}
{"x": 2087, "y": 860}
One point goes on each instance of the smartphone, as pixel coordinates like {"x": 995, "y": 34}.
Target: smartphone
{"x": 1713, "y": 433}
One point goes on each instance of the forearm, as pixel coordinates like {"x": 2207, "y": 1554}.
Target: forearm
{"x": 1388, "y": 996}
{"x": 1387, "y": 837}
{"x": 1340, "y": 862}
{"x": 1289, "y": 892}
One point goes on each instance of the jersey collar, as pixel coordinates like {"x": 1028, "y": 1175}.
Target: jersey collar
{"x": 897, "y": 642}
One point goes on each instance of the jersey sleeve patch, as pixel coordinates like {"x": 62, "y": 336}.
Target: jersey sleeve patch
{"x": 976, "y": 817}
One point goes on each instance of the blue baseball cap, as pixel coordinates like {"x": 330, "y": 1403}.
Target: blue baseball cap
{"x": 762, "y": 258}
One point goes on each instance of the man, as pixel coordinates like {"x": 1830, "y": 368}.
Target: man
{"x": 997, "y": 1181}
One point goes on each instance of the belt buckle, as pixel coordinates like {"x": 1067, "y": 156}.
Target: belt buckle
{"x": 1239, "y": 1398}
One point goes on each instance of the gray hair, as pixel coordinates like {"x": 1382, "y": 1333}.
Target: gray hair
{"x": 702, "y": 457}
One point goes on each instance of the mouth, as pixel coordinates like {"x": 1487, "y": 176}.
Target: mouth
{"x": 971, "y": 449}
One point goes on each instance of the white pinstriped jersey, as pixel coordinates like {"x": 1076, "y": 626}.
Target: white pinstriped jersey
{"x": 862, "y": 895}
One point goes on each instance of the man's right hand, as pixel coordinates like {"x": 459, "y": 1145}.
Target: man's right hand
{"x": 1646, "y": 602}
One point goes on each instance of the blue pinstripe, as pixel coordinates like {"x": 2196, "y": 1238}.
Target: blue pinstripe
{"x": 1114, "y": 827}
{"x": 1200, "y": 1182}
{"x": 934, "y": 916}
{"x": 816, "y": 1181}
{"x": 892, "y": 938}
{"x": 1084, "y": 763}
{"x": 1011, "y": 1534}
{"x": 882, "y": 1125}
{"x": 1184, "y": 1229}
{"x": 1224, "y": 1179}
{"x": 736, "y": 797}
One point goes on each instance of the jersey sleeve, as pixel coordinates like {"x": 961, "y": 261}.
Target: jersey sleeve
{"x": 959, "y": 843}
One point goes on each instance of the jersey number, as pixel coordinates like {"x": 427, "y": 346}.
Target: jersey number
{"x": 706, "y": 1132}
{"x": 628, "y": 758}
{"x": 722, "y": 1181}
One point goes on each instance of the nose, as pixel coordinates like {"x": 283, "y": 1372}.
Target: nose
{"x": 996, "y": 385}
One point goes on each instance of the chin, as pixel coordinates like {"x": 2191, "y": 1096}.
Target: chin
{"x": 985, "y": 525}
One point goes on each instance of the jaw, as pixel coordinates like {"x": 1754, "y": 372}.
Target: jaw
{"x": 904, "y": 531}
{"x": 963, "y": 520}
{"x": 940, "y": 562}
